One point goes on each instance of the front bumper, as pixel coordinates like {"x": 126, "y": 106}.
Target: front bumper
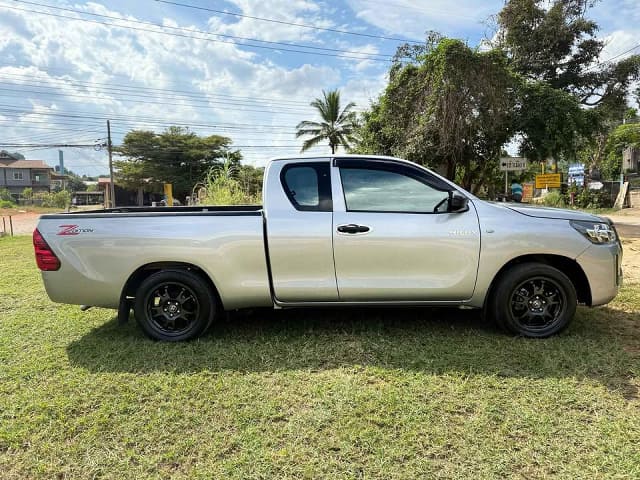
{"x": 602, "y": 265}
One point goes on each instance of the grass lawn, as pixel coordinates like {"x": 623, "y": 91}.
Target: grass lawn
{"x": 366, "y": 394}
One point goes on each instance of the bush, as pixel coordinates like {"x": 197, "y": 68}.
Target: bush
{"x": 6, "y": 204}
{"x": 60, "y": 199}
{"x": 5, "y": 195}
{"x": 586, "y": 198}
{"x": 553, "y": 199}
{"x": 223, "y": 189}
{"x": 27, "y": 193}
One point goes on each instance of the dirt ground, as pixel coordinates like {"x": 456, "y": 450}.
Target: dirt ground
{"x": 627, "y": 223}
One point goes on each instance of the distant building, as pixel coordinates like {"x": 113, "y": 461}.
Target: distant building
{"x": 125, "y": 197}
{"x": 630, "y": 159}
{"x": 16, "y": 175}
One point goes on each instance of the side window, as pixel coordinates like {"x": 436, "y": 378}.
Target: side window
{"x": 308, "y": 186}
{"x": 380, "y": 190}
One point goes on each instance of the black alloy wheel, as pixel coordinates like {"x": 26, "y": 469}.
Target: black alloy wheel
{"x": 533, "y": 300}
{"x": 537, "y": 303}
{"x": 174, "y": 305}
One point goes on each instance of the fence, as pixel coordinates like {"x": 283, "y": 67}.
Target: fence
{"x": 6, "y": 220}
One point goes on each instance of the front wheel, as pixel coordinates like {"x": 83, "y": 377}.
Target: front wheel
{"x": 174, "y": 305}
{"x": 534, "y": 300}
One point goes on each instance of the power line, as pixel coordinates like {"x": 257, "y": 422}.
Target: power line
{"x": 365, "y": 57}
{"x": 141, "y": 119}
{"x": 193, "y": 30}
{"x": 148, "y": 102}
{"x": 46, "y": 145}
{"x": 178, "y": 93}
{"x": 153, "y": 92}
{"x": 282, "y": 22}
{"x": 612, "y": 58}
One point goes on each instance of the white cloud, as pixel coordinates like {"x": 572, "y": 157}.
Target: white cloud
{"x": 620, "y": 41}
{"x": 289, "y": 11}
{"x": 412, "y": 19}
{"x": 50, "y": 49}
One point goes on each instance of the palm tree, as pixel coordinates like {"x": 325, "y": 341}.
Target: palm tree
{"x": 338, "y": 127}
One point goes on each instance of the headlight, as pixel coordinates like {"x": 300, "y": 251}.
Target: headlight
{"x": 596, "y": 232}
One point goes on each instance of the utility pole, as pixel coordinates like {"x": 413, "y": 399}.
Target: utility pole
{"x": 112, "y": 187}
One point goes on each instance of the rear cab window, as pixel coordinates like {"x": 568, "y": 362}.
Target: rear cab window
{"x": 308, "y": 186}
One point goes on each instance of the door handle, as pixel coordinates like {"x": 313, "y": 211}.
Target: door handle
{"x": 352, "y": 228}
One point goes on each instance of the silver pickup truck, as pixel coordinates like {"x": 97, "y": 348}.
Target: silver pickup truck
{"x": 333, "y": 231}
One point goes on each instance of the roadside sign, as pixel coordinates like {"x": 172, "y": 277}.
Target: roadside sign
{"x": 527, "y": 192}
{"x": 513, "y": 164}
{"x": 548, "y": 180}
{"x": 576, "y": 174}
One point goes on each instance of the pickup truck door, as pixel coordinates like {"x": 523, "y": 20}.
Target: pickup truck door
{"x": 298, "y": 221}
{"x": 393, "y": 237}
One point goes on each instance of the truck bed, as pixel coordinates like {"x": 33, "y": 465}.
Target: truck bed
{"x": 100, "y": 250}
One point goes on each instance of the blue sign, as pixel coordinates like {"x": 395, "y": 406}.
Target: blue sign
{"x": 576, "y": 174}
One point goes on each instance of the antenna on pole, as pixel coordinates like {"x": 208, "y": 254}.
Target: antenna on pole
{"x": 112, "y": 187}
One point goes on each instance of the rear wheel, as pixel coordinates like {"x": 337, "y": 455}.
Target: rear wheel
{"x": 174, "y": 305}
{"x": 534, "y": 300}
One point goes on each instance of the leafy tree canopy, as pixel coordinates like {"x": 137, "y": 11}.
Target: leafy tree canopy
{"x": 555, "y": 43}
{"x": 451, "y": 108}
{"x": 177, "y": 156}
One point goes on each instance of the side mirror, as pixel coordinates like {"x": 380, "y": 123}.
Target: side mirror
{"x": 458, "y": 203}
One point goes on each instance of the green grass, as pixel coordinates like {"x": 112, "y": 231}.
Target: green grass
{"x": 312, "y": 394}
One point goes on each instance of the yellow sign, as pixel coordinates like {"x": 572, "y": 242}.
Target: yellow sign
{"x": 168, "y": 193}
{"x": 548, "y": 180}
{"x": 527, "y": 192}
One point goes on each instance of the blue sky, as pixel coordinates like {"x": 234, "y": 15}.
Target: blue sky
{"x": 61, "y": 77}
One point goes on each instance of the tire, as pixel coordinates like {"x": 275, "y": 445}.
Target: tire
{"x": 533, "y": 300}
{"x": 174, "y": 305}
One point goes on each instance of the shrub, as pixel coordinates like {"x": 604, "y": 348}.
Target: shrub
{"x": 5, "y": 195}
{"x": 60, "y": 199}
{"x": 6, "y": 204}
{"x": 27, "y": 193}
{"x": 586, "y": 198}
{"x": 224, "y": 189}
{"x": 553, "y": 199}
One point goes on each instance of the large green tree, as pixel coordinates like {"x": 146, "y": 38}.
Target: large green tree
{"x": 177, "y": 156}
{"x": 554, "y": 42}
{"x": 336, "y": 126}
{"x": 571, "y": 98}
{"x": 451, "y": 108}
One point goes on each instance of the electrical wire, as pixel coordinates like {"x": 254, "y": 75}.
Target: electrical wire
{"x": 362, "y": 56}
{"x": 111, "y": 87}
{"x": 282, "y": 22}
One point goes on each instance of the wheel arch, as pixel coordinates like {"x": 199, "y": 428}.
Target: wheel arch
{"x": 144, "y": 271}
{"x": 566, "y": 265}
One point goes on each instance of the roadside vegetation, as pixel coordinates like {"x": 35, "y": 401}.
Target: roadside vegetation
{"x": 312, "y": 394}
{"x": 224, "y": 186}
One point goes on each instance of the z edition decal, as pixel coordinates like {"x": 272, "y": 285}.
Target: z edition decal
{"x": 73, "y": 230}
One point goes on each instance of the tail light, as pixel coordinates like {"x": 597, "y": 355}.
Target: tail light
{"x": 45, "y": 258}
